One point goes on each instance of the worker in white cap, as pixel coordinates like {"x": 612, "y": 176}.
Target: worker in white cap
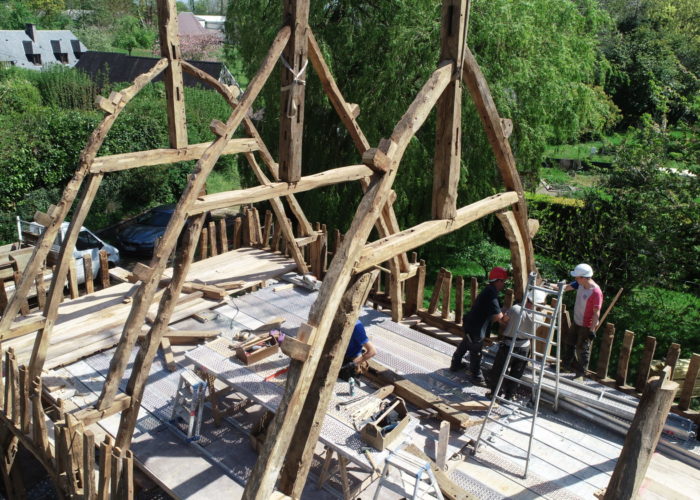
{"x": 589, "y": 300}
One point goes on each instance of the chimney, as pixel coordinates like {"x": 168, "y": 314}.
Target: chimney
{"x": 30, "y": 30}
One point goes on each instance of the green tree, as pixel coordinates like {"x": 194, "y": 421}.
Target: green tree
{"x": 130, "y": 34}
{"x": 540, "y": 58}
{"x": 15, "y": 14}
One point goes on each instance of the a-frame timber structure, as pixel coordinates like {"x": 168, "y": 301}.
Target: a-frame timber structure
{"x": 284, "y": 461}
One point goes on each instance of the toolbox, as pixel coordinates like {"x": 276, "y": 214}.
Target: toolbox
{"x": 384, "y": 430}
{"x": 257, "y": 348}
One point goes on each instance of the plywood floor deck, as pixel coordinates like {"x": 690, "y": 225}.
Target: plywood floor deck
{"x": 572, "y": 458}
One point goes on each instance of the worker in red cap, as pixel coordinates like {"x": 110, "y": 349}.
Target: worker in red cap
{"x": 477, "y": 324}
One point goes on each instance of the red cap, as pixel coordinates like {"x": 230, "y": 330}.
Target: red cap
{"x": 498, "y": 273}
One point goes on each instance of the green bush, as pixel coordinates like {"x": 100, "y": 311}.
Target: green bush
{"x": 18, "y": 95}
{"x": 66, "y": 88}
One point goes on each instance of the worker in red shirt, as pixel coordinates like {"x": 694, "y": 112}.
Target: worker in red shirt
{"x": 589, "y": 300}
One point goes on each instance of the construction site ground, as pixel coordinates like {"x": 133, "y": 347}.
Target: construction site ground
{"x": 572, "y": 457}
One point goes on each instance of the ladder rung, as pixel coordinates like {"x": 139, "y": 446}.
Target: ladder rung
{"x": 548, "y": 291}
{"x": 544, "y": 323}
{"x": 506, "y": 402}
{"x": 519, "y": 381}
{"x": 506, "y": 424}
{"x": 519, "y": 356}
{"x": 540, "y": 313}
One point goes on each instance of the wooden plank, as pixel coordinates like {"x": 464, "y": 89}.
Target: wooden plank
{"x": 31, "y": 324}
{"x": 382, "y": 249}
{"x": 674, "y": 351}
{"x": 297, "y": 463}
{"x": 168, "y": 355}
{"x": 89, "y": 416}
{"x": 642, "y": 437}
{"x": 645, "y": 363}
{"x": 294, "y": 57}
{"x": 270, "y": 190}
{"x": 480, "y": 93}
{"x": 624, "y": 359}
{"x": 88, "y": 465}
{"x": 448, "y": 134}
{"x": 173, "y": 80}
{"x": 604, "y": 351}
{"x": 689, "y": 382}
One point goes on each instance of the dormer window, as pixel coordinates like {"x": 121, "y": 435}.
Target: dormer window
{"x": 58, "y": 53}
{"x": 75, "y": 44}
{"x": 32, "y": 55}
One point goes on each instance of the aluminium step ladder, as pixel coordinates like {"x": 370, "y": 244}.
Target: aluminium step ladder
{"x": 542, "y": 315}
{"x": 189, "y": 403}
{"x": 418, "y": 470}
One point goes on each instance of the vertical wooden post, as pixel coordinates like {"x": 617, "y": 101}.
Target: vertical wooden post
{"x": 606, "y": 343}
{"x": 223, "y": 237}
{"x": 395, "y": 291}
{"x": 88, "y": 469}
{"x": 296, "y": 16}
{"x": 13, "y": 387}
{"x": 297, "y": 461}
{"x": 443, "y": 441}
{"x": 104, "y": 269}
{"x": 674, "y": 351}
{"x": 645, "y": 363}
{"x": 237, "y": 232}
{"x": 24, "y": 406}
{"x": 415, "y": 288}
{"x": 324, "y": 250}
{"x": 40, "y": 290}
{"x": 116, "y": 472}
{"x": 268, "y": 229}
{"x": 459, "y": 300}
{"x": 276, "y": 235}
{"x": 3, "y": 296}
{"x": 437, "y": 289}
{"x": 174, "y": 86}
{"x": 517, "y": 246}
{"x": 212, "y": 239}
{"x": 40, "y": 433}
{"x": 73, "y": 280}
{"x": 642, "y": 437}
{"x": 449, "y": 108}
{"x": 246, "y": 231}
{"x": 105, "y": 468}
{"x": 624, "y": 359}
{"x": 17, "y": 275}
{"x": 691, "y": 377}
{"x": 258, "y": 227}
{"x": 446, "y": 294}
{"x": 127, "y": 479}
{"x": 204, "y": 244}
{"x": 87, "y": 270}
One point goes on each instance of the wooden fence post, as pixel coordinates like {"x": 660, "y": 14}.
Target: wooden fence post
{"x": 446, "y": 294}
{"x": 674, "y": 351}
{"x": 645, "y": 363}
{"x": 87, "y": 271}
{"x": 223, "y": 237}
{"x": 204, "y": 244}
{"x": 604, "y": 351}
{"x": 237, "y": 232}
{"x": 642, "y": 437}
{"x": 624, "y": 359}
{"x": 104, "y": 269}
{"x": 689, "y": 383}
{"x": 415, "y": 289}
{"x": 436, "y": 292}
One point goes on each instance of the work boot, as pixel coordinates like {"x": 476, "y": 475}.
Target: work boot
{"x": 478, "y": 379}
{"x": 457, "y": 367}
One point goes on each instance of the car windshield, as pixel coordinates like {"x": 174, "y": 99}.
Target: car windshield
{"x": 160, "y": 219}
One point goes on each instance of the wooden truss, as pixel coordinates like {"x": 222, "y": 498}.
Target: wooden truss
{"x": 297, "y": 423}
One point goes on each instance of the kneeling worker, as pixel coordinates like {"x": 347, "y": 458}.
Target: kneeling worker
{"x": 359, "y": 350}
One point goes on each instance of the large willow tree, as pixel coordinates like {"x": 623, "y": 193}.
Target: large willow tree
{"x": 540, "y": 58}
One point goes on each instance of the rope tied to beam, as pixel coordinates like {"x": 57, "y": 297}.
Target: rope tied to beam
{"x": 297, "y": 82}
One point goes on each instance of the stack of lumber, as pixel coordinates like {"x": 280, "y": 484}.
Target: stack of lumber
{"x": 94, "y": 322}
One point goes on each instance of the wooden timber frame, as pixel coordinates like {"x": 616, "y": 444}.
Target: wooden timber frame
{"x": 350, "y": 273}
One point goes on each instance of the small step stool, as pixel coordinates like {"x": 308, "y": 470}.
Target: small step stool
{"x": 424, "y": 483}
{"x": 189, "y": 403}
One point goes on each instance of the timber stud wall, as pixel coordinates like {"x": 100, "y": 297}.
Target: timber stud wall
{"x": 347, "y": 278}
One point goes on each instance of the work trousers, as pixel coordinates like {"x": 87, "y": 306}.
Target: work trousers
{"x": 577, "y": 349}
{"x": 474, "y": 344}
{"x": 516, "y": 368}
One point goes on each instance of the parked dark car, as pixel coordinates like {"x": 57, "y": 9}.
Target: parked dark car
{"x": 139, "y": 236}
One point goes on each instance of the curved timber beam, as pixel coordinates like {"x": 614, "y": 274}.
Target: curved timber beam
{"x": 58, "y": 214}
{"x": 285, "y": 423}
{"x": 197, "y": 179}
{"x": 498, "y": 138}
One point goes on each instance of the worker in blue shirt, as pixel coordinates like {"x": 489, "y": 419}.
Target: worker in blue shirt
{"x": 359, "y": 350}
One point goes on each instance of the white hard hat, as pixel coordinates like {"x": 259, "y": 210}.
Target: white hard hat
{"x": 582, "y": 271}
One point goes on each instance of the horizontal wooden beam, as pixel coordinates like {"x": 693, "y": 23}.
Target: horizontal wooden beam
{"x": 126, "y": 161}
{"x": 277, "y": 189}
{"x": 89, "y": 416}
{"x": 28, "y": 325}
{"x": 383, "y": 249}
